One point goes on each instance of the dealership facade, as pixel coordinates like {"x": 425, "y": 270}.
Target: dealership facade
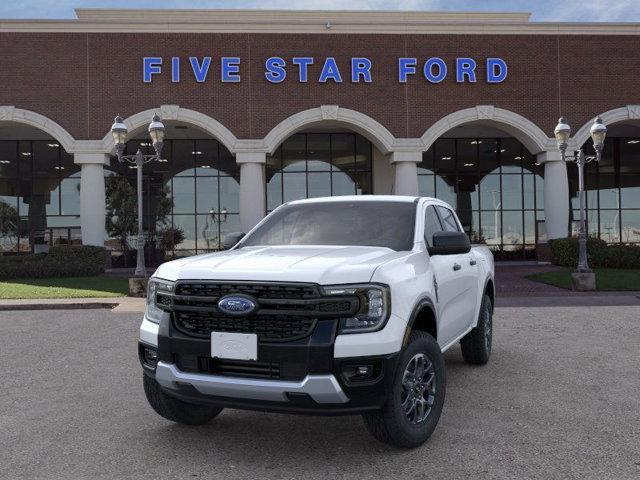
{"x": 264, "y": 107}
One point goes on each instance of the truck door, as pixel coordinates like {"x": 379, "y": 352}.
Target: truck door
{"x": 455, "y": 276}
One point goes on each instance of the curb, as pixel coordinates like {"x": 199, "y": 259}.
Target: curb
{"x": 58, "y": 306}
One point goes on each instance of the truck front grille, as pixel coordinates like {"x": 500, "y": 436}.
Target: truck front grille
{"x": 257, "y": 290}
{"x": 269, "y": 328}
{"x": 286, "y": 311}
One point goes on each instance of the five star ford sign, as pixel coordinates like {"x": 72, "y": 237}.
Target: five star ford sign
{"x": 361, "y": 69}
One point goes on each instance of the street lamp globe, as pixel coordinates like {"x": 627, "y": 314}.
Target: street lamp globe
{"x": 598, "y": 133}
{"x": 119, "y": 133}
{"x": 156, "y": 132}
{"x": 562, "y": 133}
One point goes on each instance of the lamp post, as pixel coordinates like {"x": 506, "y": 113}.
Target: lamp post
{"x": 583, "y": 278}
{"x": 156, "y": 132}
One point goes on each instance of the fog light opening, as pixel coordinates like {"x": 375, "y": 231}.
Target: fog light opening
{"x": 357, "y": 373}
{"x": 150, "y": 357}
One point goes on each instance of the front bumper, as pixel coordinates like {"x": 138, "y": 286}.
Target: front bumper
{"x": 308, "y": 378}
{"x": 320, "y": 388}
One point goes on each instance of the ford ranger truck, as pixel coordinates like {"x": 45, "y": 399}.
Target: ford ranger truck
{"x": 328, "y": 306}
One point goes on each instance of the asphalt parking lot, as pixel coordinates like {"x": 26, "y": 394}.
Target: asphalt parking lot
{"x": 559, "y": 399}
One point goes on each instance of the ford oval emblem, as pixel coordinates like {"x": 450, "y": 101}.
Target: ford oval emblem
{"x": 237, "y": 305}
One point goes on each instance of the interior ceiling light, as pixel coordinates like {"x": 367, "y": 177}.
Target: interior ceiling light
{"x": 53, "y": 145}
{"x": 633, "y": 142}
{"x": 446, "y": 158}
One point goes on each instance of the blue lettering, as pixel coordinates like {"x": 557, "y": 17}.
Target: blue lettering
{"x": 360, "y": 67}
{"x": 465, "y": 67}
{"x": 175, "y": 69}
{"x": 276, "y": 72}
{"x": 200, "y": 71}
{"x": 150, "y": 66}
{"x": 496, "y": 70}
{"x": 330, "y": 71}
{"x": 406, "y": 66}
{"x": 230, "y": 69}
{"x": 303, "y": 64}
{"x": 428, "y": 70}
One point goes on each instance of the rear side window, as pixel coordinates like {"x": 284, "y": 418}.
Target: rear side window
{"x": 431, "y": 225}
{"x": 449, "y": 223}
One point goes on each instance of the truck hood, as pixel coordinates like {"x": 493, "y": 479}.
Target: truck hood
{"x": 316, "y": 264}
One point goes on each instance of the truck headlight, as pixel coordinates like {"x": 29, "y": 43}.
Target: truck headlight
{"x": 153, "y": 312}
{"x": 375, "y": 305}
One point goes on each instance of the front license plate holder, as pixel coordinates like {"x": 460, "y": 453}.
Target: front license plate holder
{"x": 234, "y": 346}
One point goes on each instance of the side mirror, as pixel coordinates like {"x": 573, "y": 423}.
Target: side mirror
{"x": 449, "y": 243}
{"x": 231, "y": 239}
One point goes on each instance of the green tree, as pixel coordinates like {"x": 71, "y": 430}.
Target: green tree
{"x": 122, "y": 210}
{"x": 9, "y": 223}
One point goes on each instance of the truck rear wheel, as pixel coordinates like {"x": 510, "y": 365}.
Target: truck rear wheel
{"x": 174, "y": 409}
{"x": 413, "y": 408}
{"x": 476, "y": 345}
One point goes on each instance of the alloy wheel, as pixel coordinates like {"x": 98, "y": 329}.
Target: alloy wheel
{"x": 418, "y": 389}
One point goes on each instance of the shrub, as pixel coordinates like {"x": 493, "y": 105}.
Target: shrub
{"x": 620, "y": 256}
{"x": 61, "y": 261}
{"x": 564, "y": 252}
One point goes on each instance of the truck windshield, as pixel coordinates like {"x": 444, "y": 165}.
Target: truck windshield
{"x": 364, "y": 223}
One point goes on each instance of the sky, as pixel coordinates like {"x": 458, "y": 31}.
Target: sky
{"x": 542, "y": 10}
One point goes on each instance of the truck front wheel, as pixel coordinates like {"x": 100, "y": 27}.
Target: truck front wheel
{"x": 174, "y": 409}
{"x": 413, "y": 408}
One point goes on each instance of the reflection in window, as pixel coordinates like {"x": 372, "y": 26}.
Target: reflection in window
{"x": 495, "y": 187}
{"x": 191, "y": 200}
{"x": 612, "y": 192}
{"x": 309, "y": 165}
{"x": 39, "y": 196}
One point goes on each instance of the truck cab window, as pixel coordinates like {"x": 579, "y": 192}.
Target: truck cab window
{"x": 449, "y": 223}
{"x": 431, "y": 225}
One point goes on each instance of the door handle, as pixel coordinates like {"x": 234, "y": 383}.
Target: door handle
{"x": 456, "y": 267}
{"x": 472, "y": 262}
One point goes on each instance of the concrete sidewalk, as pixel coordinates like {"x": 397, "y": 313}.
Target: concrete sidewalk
{"x": 117, "y": 304}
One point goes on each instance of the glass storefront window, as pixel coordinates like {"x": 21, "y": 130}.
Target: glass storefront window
{"x": 191, "y": 195}
{"x": 39, "y": 195}
{"x": 309, "y": 165}
{"x": 495, "y": 187}
{"x": 612, "y": 191}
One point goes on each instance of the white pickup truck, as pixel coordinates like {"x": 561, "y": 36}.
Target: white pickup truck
{"x": 338, "y": 305}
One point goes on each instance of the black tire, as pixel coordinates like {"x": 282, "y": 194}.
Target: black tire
{"x": 174, "y": 409}
{"x": 391, "y": 424}
{"x": 476, "y": 345}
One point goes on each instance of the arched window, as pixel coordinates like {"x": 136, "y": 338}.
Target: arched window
{"x": 309, "y": 165}
{"x": 612, "y": 188}
{"x": 39, "y": 194}
{"x": 495, "y": 187}
{"x": 191, "y": 199}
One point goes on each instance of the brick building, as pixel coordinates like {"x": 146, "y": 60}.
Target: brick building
{"x": 263, "y": 107}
